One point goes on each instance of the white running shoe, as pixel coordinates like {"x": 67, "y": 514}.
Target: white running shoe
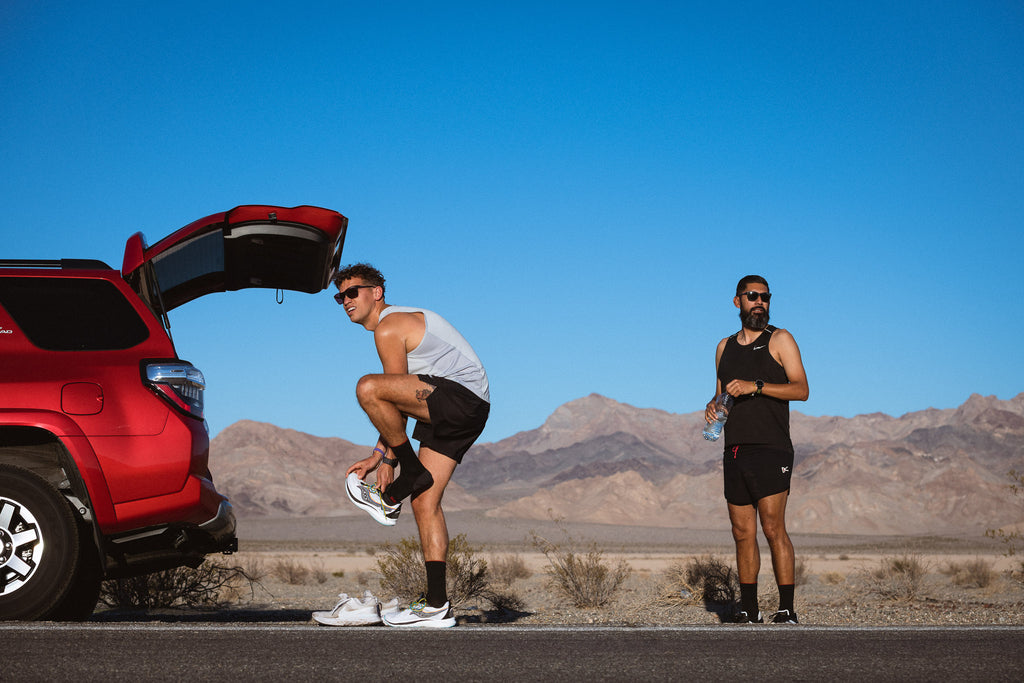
{"x": 368, "y": 498}
{"x": 351, "y": 612}
{"x": 389, "y": 607}
{"x": 421, "y": 615}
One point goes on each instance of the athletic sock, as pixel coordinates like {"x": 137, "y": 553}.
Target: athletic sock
{"x": 786, "y": 598}
{"x": 748, "y": 599}
{"x": 414, "y": 476}
{"x": 437, "y": 589}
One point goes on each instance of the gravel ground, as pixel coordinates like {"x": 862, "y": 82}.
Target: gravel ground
{"x": 648, "y": 597}
{"x": 841, "y": 580}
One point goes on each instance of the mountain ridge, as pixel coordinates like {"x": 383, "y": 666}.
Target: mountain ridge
{"x": 597, "y": 460}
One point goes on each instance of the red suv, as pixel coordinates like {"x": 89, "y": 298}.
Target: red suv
{"x": 103, "y": 443}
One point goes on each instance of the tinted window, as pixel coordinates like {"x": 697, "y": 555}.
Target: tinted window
{"x": 72, "y": 314}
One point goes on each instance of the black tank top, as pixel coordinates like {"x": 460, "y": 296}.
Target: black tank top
{"x": 759, "y": 420}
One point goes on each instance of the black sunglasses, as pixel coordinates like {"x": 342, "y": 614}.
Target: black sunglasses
{"x": 351, "y": 293}
{"x": 753, "y": 296}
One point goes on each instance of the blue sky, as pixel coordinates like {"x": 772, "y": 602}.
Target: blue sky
{"x": 576, "y": 186}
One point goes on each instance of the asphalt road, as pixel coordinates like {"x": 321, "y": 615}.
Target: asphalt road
{"x": 285, "y": 652}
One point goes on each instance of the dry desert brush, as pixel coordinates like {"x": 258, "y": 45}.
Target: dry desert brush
{"x": 403, "y": 574}
{"x": 705, "y": 579}
{"x": 1013, "y": 538}
{"x": 584, "y": 578}
{"x": 898, "y": 578}
{"x": 210, "y": 585}
{"x": 976, "y": 573}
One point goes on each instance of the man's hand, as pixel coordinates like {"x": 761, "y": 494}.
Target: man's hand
{"x": 365, "y": 466}
{"x": 385, "y": 475}
{"x": 740, "y": 387}
{"x": 711, "y": 412}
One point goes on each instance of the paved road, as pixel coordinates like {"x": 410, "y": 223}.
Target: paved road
{"x": 284, "y": 652}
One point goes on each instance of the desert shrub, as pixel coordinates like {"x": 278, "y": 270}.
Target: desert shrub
{"x": 585, "y": 579}
{"x": 1010, "y": 539}
{"x": 976, "y": 573}
{"x": 254, "y": 568}
{"x": 403, "y": 572}
{"x": 899, "y": 578}
{"x": 505, "y": 569}
{"x": 706, "y": 579}
{"x": 210, "y": 585}
{"x": 1017, "y": 574}
{"x": 290, "y": 571}
{"x": 319, "y": 572}
{"x": 832, "y": 578}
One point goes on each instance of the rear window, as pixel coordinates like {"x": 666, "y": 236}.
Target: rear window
{"x": 72, "y": 314}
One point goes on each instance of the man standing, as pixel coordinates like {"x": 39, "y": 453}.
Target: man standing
{"x": 760, "y": 366}
{"x": 433, "y": 375}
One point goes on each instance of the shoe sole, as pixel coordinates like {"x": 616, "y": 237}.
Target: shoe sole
{"x": 423, "y": 623}
{"x": 335, "y": 621}
{"x": 376, "y": 513}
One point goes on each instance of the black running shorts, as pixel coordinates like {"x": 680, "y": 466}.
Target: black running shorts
{"x": 755, "y": 472}
{"x": 457, "y": 417}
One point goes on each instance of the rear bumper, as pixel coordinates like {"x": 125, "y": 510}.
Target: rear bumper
{"x": 173, "y": 545}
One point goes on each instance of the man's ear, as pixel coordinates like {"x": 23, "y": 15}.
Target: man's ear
{"x": 736, "y": 301}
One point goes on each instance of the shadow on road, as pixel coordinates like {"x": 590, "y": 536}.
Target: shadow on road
{"x": 203, "y": 616}
{"x": 268, "y": 616}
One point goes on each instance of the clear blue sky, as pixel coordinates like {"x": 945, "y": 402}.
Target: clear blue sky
{"x": 576, "y": 186}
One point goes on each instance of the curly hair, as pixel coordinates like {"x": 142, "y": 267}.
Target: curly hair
{"x": 364, "y": 271}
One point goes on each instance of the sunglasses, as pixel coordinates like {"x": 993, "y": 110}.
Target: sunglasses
{"x": 351, "y": 293}
{"x": 753, "y": 296}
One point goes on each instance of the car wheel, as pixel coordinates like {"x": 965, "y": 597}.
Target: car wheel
{"x": 38, "y": 545}
{"x": 80, "y": 602}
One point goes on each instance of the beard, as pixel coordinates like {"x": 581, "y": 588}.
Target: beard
{"x": 754, "y": 320}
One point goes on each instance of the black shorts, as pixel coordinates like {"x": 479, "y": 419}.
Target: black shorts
{"x": 755, "y": 472}
{"x": 457, "y": 417}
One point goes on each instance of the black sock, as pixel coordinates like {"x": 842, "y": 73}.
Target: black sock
{"x": 786, "y": 598}
{"x": 437, "y": 589}
{"x": 748, "y": 599}
{"x": 414, "y": 476}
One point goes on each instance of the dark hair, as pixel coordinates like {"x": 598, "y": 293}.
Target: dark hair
{"x": 742, "y": 284}
{"x": 364, "y": 271}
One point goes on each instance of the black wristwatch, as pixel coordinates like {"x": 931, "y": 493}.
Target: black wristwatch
{"x": 389, "y": 461}
{"x": 760, "y": 385}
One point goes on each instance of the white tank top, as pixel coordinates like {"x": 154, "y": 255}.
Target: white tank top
{"x": 443, "y": 352}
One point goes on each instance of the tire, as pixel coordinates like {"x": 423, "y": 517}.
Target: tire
{"x": 84, "y": 592}
{"x": 39, "y": 545}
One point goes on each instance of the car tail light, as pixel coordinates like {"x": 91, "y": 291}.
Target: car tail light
{"x": 180, "y": 384}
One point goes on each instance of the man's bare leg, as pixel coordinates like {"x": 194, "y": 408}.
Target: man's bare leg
{"x": 426, "y": 507}
{"x": 389, "y": 399}
{"x": 744, "y": 533}
{"x": 772, "y": 510}
{"x": 748, "y": 555}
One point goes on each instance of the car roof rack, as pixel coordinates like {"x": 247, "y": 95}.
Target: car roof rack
{"x": 69, "y": 263}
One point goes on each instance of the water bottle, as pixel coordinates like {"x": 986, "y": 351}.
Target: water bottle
{"x": 723, "y": 405}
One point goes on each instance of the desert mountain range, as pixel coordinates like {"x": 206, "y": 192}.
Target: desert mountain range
{"x": 597, "y": 460}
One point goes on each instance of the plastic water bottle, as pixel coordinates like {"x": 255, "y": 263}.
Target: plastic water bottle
{"x": 723, "y": 405}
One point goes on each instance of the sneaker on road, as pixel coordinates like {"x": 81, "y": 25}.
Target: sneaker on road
{"x": 784, "y": 616}
{"x": 421, "y": 615}
{"x": 744, "y": 618}
{"x": 389, "y": 607}
{"x": 368, "y": 498}
{"x": 351, "y": 612}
